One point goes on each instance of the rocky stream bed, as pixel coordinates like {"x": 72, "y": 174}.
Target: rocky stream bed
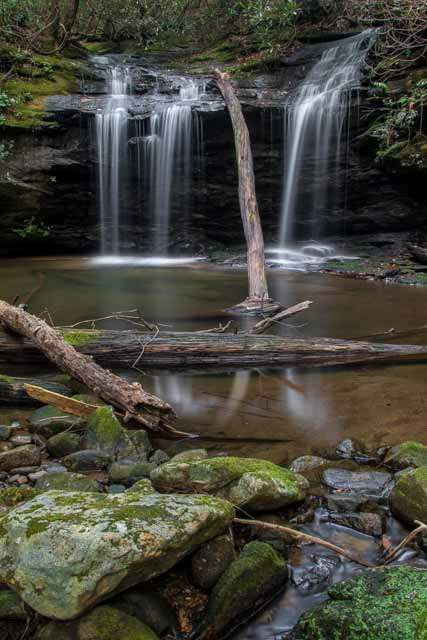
{"x": 104, "y": 536}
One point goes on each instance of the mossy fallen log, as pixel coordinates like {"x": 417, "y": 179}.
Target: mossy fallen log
{"x": 188, "y": 349}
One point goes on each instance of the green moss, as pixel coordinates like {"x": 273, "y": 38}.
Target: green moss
{"x": 98, "y": 48}
{"x": 407, "y": 454}
{"x": 256, "y": 573}
{"x": 13, "y": 496}
{"x": 389, "y": 604}
{"x": 80, "y": 338}
{"x": 107, "y": 623}
{"x": 409, "y": 496}
{"x": 11, "y": 606}
{"x": 7, "y": 379}
{"x": 104, "y": 431}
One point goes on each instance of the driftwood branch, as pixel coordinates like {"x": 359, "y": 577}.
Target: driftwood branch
{"x": 392, "y": 553}
{"x": 135, "y": 403}
{"x": 302, "y": 537}
{"x": 266, "y": 323}
{"x": 69, "y": 405}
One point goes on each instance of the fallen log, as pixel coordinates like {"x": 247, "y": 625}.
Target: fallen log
{"x": 188, "y": 349}
{"x": 134, "y": 402}
{"x": 13, "y": 392}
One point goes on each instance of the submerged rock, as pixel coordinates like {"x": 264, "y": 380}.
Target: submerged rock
{"x": 65, "y": 552}
{"x": 387, "y": 604}
{"x": 103, "y": 623}
{"x": 28, "y": 455}
{"x": 368, "y": 483}
{"x": 408, "y": 500}
{"x": 61, "y": 481}
{"x": 249, "y": 582}
{"x": 258, "y": 485}
{"x": 407, "y": 454}
{"x": 371, "y": 524}
{"x": 211, "y": 560}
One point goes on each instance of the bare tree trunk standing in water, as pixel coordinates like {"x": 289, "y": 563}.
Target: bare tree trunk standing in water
{"x": 258, "y": 299}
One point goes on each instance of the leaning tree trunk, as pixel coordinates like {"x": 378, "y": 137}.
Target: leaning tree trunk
{"x": 135, "y": 403}
{"x": 258, "y": 298}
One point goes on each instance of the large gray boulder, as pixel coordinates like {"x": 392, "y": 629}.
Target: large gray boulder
{"x": 257, "y": 485}
{"x": 65, "y": 552}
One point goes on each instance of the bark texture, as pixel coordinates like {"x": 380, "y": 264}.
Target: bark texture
{"x": 258, "y": 290}
{"x": 188, "y": 349}
{"x": 130, "y": 398}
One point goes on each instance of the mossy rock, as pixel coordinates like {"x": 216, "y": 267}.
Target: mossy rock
{"x": 387, "y": 604}
{"x": 144, "y": 487}
{"x": 49, "y": 420}
{"x": 103, "y": 431}
{"x": 62, "y": 444}
{"x": 11, "y": 606}
{"x": 407, "y": 454}
{"x": 408, "y": 500}
{"x": 78, "y": 548}
{"x": 12, "y": 496}
{"x": 122, "y": 473}
{"x": 63, "y": 481}
{"x": 257, "y": 485}
{"x": 103, "y": 623}
{"x": 192, "y": 454}
{"x": 258, "y": 574}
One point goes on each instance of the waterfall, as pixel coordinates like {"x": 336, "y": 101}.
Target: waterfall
{"x": 170, "y": 139}
{"x": 317, "y": 119}
{"x": 111, "y": 149}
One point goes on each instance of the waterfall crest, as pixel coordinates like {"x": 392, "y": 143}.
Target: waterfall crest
{"x": 316, "y": 130}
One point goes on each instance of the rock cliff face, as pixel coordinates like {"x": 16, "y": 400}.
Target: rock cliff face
{"x": 50, "y": 179}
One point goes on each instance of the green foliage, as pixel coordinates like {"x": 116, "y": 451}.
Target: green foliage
{"x": 32, "y": 229}
{"x": 400, "y": 129}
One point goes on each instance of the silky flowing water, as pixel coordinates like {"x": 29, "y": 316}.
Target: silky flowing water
{"x": 274, "y": 414}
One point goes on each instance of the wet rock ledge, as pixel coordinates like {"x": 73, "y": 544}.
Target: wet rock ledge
{"x": 102, "y": 536}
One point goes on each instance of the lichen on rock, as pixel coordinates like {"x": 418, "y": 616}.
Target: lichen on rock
{"x": 63, "y": 553}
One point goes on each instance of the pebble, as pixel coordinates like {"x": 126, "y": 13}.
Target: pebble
{"x": 18, "y": 479}
{"x": 21, "y": 439}
{"x": 36, "y": 476}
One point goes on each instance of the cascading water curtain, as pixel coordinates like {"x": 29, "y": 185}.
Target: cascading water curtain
{"x": 316, "y": 134}
{"x": 111, "y": 131}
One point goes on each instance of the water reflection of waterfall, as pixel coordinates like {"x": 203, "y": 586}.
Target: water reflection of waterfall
{"x": 316, "y": 135}
{"x": 111, "y": 138}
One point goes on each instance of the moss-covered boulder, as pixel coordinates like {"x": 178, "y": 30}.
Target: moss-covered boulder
{"x": 407, "y": 454}
{"x": 258, "y": 574}
{"x": 103, "y": 623}
{"x": 408, "y": 500}
{"x": 64, "y": 481}
{"x": 258, "y": 485}
{"x": 65, "y": 552}
{"x": 48, "y": 421}
{"x": 62, "y": 444}
{"x": 387, "y": 604}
